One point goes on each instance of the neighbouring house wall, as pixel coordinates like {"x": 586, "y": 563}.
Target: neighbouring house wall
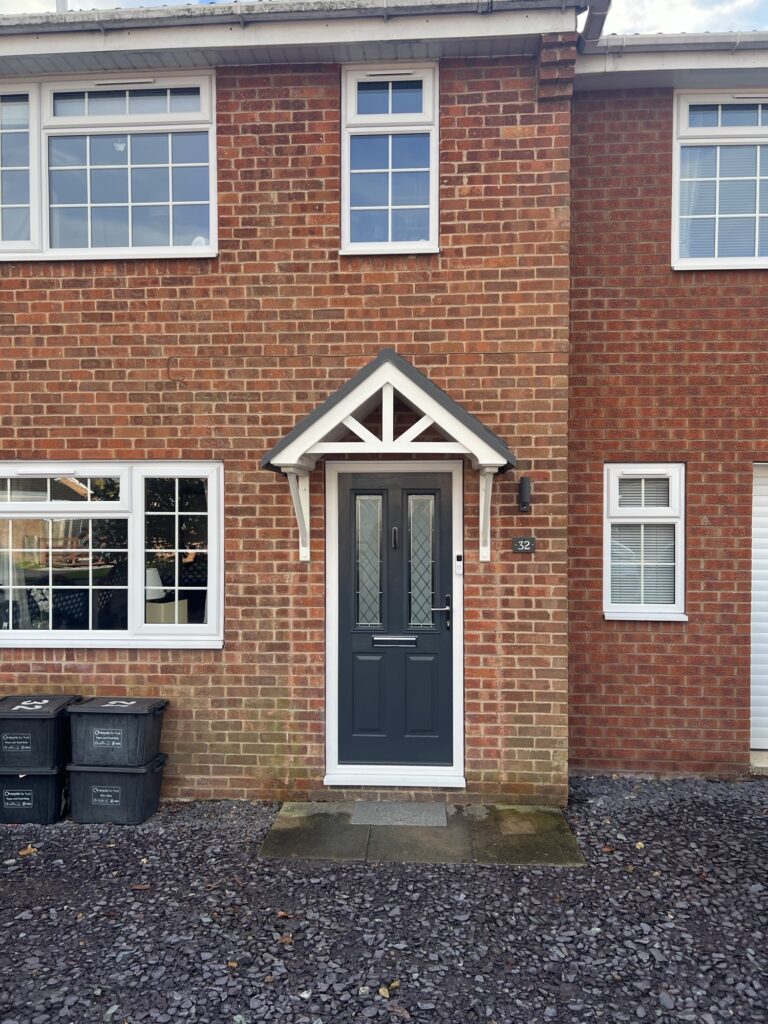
{"x": 219, "y": 358}
{"x": 667, "y": 366}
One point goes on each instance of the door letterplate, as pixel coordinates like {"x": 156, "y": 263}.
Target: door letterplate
{"x": 394, "y": 641}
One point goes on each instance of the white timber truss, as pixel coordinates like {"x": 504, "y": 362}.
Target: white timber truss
{"x": 338, "y": 427}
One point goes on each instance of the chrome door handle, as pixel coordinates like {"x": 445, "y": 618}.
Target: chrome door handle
{"x": 447, "y": 609}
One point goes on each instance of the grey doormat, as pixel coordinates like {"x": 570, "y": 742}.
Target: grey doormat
{"x": 494, "y": 834}
{"x": 398, "y": 812}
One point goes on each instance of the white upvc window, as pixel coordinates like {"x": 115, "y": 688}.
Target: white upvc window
{"x": 108, "y": 168}
{"x": 644, "y": 542}
{"x": 720, "y": 194}
{"x": 107, "y": 554}
{"x": 389, "y": 183}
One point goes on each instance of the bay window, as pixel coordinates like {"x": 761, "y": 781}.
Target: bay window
{"x": 110, "y": 554}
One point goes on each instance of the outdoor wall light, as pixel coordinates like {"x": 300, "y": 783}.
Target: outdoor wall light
{"x": 524, "y": 494}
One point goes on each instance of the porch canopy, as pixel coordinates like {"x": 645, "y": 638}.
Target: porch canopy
{"x": 388, "y": 408}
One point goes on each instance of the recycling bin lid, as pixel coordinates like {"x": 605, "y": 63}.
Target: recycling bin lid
{"x": 119, "y": 705}
{"x": 121, "y": 769}
{"x": 41, "y": 706}
{"x": 22, "y": 773}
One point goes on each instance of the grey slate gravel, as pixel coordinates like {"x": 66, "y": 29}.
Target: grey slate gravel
{"x": 675, "y": 929}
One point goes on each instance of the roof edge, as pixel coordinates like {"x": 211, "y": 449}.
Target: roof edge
{"x": 252, "y": 12}
{"x": 682, "y": 42}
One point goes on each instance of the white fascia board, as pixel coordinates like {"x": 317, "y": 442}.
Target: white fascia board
{"x": 269, "y": 35}
{"x": 675, "y": 69}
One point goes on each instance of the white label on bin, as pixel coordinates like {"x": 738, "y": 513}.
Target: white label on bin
{"x": 106, "y": 796}
{"x": 119, "y": 704}
{"x": 17, "y": 742}
{"x": 30, "y": 705}
{"x": 107, "y": 737}
{"x": 18, "y": 798}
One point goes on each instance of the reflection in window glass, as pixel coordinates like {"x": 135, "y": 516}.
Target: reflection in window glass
{"x": 64, "y": 574}
{"x": 719, "y": 217}
{"x": 389, "y": 188}
{"x": 176, "y": 550}
{"x": 128, "y": 190}
{"x": 14, "y": 169}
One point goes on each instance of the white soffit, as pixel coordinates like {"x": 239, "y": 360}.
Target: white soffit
{"x": 100, "y": 47}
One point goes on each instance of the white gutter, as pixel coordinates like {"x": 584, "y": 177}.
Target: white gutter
{"x": 683, "y": 42}
{"x": 247, "y": 13}
{"x": 721, "y": 60}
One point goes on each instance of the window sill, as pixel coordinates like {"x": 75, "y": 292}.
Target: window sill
{"x": 52, "y": 255}
{"x": 649, "y": 616}
{"x": 153, "y": 643}
{"x": 378, "y": 250}
{"x": 723, "y": 264}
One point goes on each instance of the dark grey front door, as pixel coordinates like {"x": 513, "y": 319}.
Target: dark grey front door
{"x": 395, "y": 650}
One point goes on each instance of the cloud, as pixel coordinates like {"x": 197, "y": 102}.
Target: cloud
{"x": 628, "y": 16}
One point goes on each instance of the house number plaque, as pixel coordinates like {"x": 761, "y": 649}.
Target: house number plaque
{"x": 524, "y": 545}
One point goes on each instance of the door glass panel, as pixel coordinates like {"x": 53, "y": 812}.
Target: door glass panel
{"x": 368, "y": 528}
{"x": 421, "y": 562}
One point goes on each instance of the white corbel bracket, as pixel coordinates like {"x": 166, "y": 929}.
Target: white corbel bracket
{"x": 298, "y": 481}
{"x": 486, "y": 491}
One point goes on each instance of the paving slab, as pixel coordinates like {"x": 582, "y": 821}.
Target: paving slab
{"x": 315, "y": 831}
{"x": 399, "y": 812}
{"x": 403, "y": 844}
{"x": 495, "y": 834}
{"x": 522, "y": 835}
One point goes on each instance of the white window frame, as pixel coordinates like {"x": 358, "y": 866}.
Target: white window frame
{"x": 673, "y": 514}
{"x": 366, "y": 124}
{"x": 208, "y": 635}
{"x": 43, "y": 125}
{"x": 683, "y": 134}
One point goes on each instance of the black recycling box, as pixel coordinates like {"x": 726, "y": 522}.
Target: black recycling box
{"x": 115, "y": 731}
{"x": 31, "y": 797}
{"x": 34, "y": 732}
{"x": 121, "y": 795}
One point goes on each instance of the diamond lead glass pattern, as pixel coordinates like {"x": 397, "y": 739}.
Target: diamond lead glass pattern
{"x": 368, "y": 558}
{"x": 421, "y": 574}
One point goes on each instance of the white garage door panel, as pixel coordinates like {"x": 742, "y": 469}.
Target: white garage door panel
{"x": 760, "y": 610}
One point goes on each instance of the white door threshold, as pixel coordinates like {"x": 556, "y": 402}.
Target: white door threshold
{"x": 759, "y": 762}
{"x": 409, "y": 776}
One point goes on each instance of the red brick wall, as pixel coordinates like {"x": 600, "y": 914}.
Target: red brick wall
{"x": 666, "y": 367}
{"x": 218, "y": 358}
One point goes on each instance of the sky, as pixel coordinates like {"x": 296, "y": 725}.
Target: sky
{"x": 626, "y": 15}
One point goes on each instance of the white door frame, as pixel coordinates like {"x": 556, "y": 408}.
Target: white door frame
{"x": 448, "y": 776}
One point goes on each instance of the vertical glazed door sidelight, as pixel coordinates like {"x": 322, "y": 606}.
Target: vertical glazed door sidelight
{"x": 395, "y": 597}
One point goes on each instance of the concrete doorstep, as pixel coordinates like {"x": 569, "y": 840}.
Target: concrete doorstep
{"x": 475, "y": 834}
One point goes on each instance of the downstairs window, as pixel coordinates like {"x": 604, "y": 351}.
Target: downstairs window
{"x": 110, "y": 554}
{"x": 644, "y": 542}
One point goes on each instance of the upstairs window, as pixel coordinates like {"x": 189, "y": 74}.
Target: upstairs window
{"x": 644, "y": 542}
{"x": 110, "y": 555}
{"x": 389, "y": 159}
{"x": 721, "y": 194}
{"x": 107, "y": 169}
